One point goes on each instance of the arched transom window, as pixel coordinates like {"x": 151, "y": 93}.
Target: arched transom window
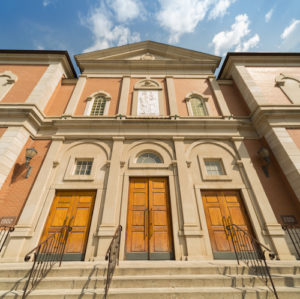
{"x": 149, "y": 158}
{"x": 196, "y": 105}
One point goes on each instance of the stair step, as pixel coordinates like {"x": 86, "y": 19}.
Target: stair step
{"x": 154, "y": 281}
{"x": 163, "y": 293}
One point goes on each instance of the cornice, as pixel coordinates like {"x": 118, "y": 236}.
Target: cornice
{"x": 256, "y": 60}
{"x": 276, "y": 116}
{"x": 43, "y": 57}
{"x": 83, "y": 127}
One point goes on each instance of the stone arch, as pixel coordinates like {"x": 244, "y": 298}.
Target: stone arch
{"x": 163, "y": 150}
{"x": 220, "y": 144}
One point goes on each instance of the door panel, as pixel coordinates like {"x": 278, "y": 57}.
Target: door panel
{"x": 149, "y": 233}
{"x": 137, "y": 220}
{"x": 219, "y": 204}
{"x": 75, "y": 205}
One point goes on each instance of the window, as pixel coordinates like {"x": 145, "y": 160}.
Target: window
{"x": 83, "y": 167}
{"x": 148, "y": 158}
{"x": 214, "y": 167}
{"x": 98, "y": 106}
{"x": 198, "y": 107}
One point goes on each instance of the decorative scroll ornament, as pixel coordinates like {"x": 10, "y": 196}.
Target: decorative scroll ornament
{"x": 147, "y": 56}
{"x": 148, "y": 102}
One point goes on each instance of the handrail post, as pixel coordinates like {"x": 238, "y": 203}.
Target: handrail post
{"x": 112, "y": 255}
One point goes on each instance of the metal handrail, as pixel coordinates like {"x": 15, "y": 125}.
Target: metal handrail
{"x": 293, "y": 231}
{"x": 45, "y": 256}
{"x": 112, "y": 255}
{"x": 250, "y": 251}
{"x": 4, "y": 232}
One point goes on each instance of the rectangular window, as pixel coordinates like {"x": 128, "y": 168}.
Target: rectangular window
{"x": 83, "y": 167}
{"x": 214, "y": 167}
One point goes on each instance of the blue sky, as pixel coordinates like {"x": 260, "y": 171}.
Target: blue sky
{"x": 210, "y": 26}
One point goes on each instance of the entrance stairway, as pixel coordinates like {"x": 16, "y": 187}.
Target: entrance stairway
{"x": 154, "y": 279}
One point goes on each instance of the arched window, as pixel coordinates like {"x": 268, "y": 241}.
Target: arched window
{"x": 196, "y": 105}
{"x": 97, "y": 104}
{"x": 148, "y": 158}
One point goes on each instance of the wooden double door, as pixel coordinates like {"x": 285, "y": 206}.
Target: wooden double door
{"x": 219, "y": 204}
{"x": 149, "y": 232}
{"x": 76, "y": 207}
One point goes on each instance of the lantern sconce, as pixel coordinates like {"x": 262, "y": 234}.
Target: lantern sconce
{"x": 30, "y": 153}
{"x": 264, "y": 154}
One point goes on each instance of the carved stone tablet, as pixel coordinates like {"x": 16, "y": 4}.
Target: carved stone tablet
{"x": 148, "y": 102}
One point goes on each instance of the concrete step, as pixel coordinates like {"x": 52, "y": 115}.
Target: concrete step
{"x": 162, "y": 293}
{"x": 150, "y": 268}
{"x": 152, "y": 281}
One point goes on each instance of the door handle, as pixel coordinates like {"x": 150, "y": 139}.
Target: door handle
{"x": 151, "y": 226}
{"x": 146, "y": 224}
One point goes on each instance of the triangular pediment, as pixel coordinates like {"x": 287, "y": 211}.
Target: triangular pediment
{"x": 146, "y": 53}
{"x": 147, "y": 50}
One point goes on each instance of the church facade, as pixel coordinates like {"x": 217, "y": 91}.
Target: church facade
{"x": 148, "y": 137}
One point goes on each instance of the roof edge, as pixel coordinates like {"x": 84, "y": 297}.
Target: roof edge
{"x": 52, "y": 52}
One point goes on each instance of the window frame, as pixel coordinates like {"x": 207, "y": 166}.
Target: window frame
{"x": 203, "y": 100}
{"x": 90, "y": 103}
{"x": 208, "y": 177}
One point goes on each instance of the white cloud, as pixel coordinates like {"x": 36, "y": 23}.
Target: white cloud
{"x": 268, "y": 15}
{"x": 250, "y": 43}
{"x": 126, "y": 9}
{"x": 220, "y": 8}
{"x": 290, "y": 29}
{"x": 291, "y": 35}
{"x": 105, "y": 33}
{"x": 46, "y": 2}
{"x": 225, "y": 40}
{"x": 179, "y": 17}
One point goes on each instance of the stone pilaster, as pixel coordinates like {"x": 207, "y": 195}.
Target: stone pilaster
{"x": 110, "y": 218}
{"x": 27, "y": 233}
{"x": 11, "y": 144}
{"x": 219, "y": 96}
{"x": 171, "y": 96}
{"x": 287, "y": 154}
{"x": 46, "y": 86}
{"x": 248, "y": 88}
{"x": 270, "y": 227}
{"x": 70, "y": 110}
{"x": 191, "y": 225}
{"x": 124, "y": 95}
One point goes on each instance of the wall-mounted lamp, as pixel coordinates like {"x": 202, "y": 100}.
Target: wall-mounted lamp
{"x": 30, "y": 153}
{"x": 264, "y": 154}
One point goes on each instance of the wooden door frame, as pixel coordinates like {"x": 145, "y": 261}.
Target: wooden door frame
{"x": 166, "y": 256}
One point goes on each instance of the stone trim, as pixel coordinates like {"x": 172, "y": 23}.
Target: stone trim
{"x": 90, "y": 102}
{"x": 147, "y": 84}
{"x": 7, "y": 80}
